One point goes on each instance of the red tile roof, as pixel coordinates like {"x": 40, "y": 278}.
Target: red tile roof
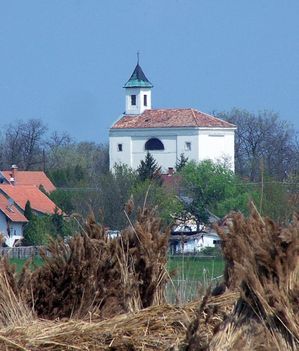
{"x": 36, "y": 178}
{"x": 11, "y": 211}
{"x": 171, "y": 118}
{"x": 22, "y": 193}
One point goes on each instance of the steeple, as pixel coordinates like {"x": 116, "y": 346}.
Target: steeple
{"x": 138, "y": 92}
{"x": 138, "y": 79}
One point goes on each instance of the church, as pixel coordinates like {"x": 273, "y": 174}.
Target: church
{"x": 166, "y": 133}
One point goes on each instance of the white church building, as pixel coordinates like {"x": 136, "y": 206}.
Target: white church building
{"x": 166, "y": 133}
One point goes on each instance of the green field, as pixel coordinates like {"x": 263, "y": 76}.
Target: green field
{"x": 195, "y": 268}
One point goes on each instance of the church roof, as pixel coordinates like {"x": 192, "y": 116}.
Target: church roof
{"x": 138, "y": 79}
{"x": 171, "y": 118}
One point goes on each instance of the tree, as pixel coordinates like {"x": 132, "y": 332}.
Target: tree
{"x": 152, "y": 194}
{"x": 28, "y": 211}
{"x": 263, "y": 137}
{"x": 214, "y": 187}
{"x": 181, "y": 162}
{"x": 23, "y": 143}
{"x": 148, "y": 169}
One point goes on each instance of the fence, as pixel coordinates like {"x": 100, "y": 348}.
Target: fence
{"x": 22, "y": 252}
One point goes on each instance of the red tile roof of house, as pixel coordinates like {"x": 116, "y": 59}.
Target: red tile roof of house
{"x": 23, "y": 193}
{"x": 171, "y": 118}
{"x": 11, "y": 210}
{"x": 36, "y": 178}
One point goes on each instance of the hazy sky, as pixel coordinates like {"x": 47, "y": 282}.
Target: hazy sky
{"x": 65, "y": 61}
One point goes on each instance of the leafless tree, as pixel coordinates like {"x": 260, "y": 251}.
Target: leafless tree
{"x": 22, "y": 144}
{"x": 263, "y": 138}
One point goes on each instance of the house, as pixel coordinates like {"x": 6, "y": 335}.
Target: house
{"x": 20, "y": 194}
{"x": 36, "y": 178}
{"x": 166, "y": 133}
{"x": 12, "y": 221}
{"x": 16, "y": 188}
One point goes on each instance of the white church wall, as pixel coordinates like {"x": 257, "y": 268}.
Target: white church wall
{"x": 216, "y": 145}
{"x": 165, "y": 158}
{"x": 183, "y": 138}
{"x": 116, "y": 156}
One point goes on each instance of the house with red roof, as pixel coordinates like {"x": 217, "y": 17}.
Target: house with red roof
{"x": 12, "y": 221}
{"x": 36, "y": 178}
{"x": 166, "y": 133}
{"x": 16, "y": 188}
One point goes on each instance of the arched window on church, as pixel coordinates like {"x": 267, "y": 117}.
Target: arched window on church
{"x": 154, "y": 144}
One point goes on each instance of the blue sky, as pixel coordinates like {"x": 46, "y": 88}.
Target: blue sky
{"x": 65, "y": 61}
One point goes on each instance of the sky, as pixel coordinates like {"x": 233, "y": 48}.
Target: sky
{"x": 65, "y": 61}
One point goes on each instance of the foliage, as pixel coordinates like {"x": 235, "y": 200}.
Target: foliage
{"x": 275, "y": 199}
{"x": 181, "y": 162}
{"x": 155, "y": 195}
{"x": 41, "y": 228}
{"x": 28, "y": 211}
{"x": 214, "y": 187}
{"x": 148, "y": 169}
{"x": 37, "y": 231}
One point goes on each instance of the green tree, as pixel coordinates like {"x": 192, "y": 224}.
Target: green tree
{"x": 181, "y": 162}
{"x": 214, "y": 187}
{"x": 152, "y": 194}
{"x": 149, "y": 169}
{"x": 28, "y": 211}
{"x": 38, "y": 230}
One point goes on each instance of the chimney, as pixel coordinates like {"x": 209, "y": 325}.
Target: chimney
{"x": 14, "y": 170}
{"x": 170, "y": 171}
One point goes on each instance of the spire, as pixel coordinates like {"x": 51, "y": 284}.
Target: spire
{"x": 138, "y": 78}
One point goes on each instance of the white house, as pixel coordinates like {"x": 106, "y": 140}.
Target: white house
{"x": 166, "y": 133}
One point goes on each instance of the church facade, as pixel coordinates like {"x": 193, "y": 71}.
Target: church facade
{"x": 166, "y": 133}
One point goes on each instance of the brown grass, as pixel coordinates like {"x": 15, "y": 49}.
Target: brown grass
{"x": 94, "y": 274}
{"x": 262, "y": 264}
{"x": 160, "y": 327}
{"x": 100, "y": 294}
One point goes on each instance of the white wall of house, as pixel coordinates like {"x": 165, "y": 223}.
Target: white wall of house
{"x": 195, "y": 143}
{"x": 197, "y": 244}
{"x": 16, "y": 230}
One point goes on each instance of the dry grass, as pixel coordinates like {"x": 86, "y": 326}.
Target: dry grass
{"x": 262, "y": 264}
{"x": 94, "y": 274}
{"x": 100, "y": 294}
{"x": 155, "y": 328}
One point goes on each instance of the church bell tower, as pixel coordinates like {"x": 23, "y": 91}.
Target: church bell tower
{"x": 138, "y": 90}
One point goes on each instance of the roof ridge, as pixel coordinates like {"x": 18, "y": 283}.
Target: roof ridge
{"x": 218, "y": 119}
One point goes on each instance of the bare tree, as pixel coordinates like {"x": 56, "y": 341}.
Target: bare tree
{"x": 263, "y": 137}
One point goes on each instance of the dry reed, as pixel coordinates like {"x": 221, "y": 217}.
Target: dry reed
{"x": 262, "y": 264}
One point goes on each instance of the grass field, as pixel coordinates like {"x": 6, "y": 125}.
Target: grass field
{"x": 196, "y": 268}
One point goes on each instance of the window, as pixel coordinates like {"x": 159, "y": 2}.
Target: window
{"x": 133, "y": 100}
{"x": 145, "y": 100}
{"x": 154, "y": 144}
{"x": 187, "y": 146}
{"x": 119, "y": 147}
